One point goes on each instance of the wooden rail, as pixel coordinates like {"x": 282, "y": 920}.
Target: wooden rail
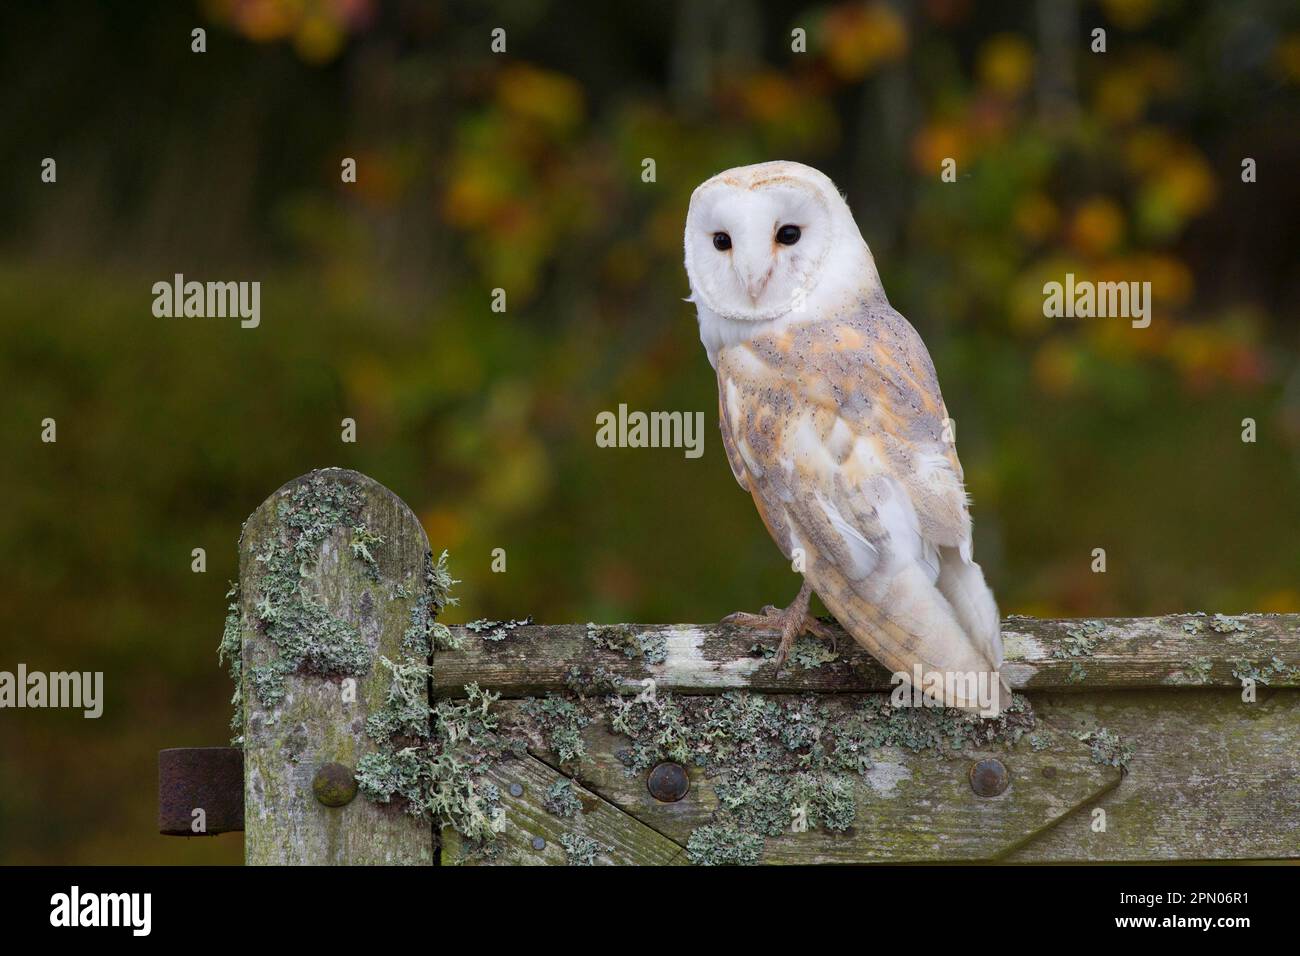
{"x": 1081, "y": 655}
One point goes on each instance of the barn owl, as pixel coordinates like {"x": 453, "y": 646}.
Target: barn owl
{"x": 832, "y": 420}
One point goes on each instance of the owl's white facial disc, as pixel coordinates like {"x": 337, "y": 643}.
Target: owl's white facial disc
{"x": 739, "y": 255}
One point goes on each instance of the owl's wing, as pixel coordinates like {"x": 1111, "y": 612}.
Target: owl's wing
{"x": 838, "y": 428}
{"x": 733, "y": 457}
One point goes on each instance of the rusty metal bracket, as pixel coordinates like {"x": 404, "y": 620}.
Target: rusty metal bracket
{"x": 210, "y": 779}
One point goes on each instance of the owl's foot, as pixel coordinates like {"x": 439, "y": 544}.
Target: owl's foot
{"x": 791, "y": 622}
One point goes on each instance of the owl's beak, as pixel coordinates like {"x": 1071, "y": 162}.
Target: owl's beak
{"x": 754, "y": 278}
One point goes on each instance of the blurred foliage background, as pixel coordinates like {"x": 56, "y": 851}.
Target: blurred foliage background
{"x": 523, "y": 171}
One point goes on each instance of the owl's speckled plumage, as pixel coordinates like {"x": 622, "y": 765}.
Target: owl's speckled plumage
{"x": 832, "y": 419}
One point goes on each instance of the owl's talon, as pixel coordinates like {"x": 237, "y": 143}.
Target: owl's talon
{"x": 745, "y": 619}
{"x": 817, "y": 629}
{"x": 790, "y": 622}
{"x": 791, "y": 629}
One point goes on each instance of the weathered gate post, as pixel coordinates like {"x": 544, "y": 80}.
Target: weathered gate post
{"x": 332, "y": 572}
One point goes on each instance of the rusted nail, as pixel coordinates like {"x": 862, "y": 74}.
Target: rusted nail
{"x": 539, "y": 843}
{"x": 516, "y": 790}
{"x": 989, "y": 777}
{"x": 210, "y": 779}
{"x": 668, "y": 782}
{"x": 334, "y": 785}
{"x": 1049, "y": 772}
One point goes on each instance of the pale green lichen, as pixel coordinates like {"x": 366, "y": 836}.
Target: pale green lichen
{"x": 1197, "y": 670}
{"x": 363, "y": 539}
{"x": 561, "y": 800}
{"x": 440, "y": 776}
{"x": 656, "y": 727}
{"x": 306, "y": 638}
{"x": 405, "y": 712}
{"x": 230, "y": 652}
{"x": 652, "y": 648}
{"x": 723, "y": 845}
{"x": 1080, "y": 640}
{"x": 1279, "y": 669}
{"x": 874, "y": 723}
{"x": 434, "y": 761}
{"x": 599, "y": 680}
{"x": 1245, "y": 670}
{"x": 767, "y": 802}
{"x": 1077, "y": 673}
{"x": 1107, "y": 747}
{"x": 495, "y": 630}
{"x": 426, "y": 634}
{"x": 739, "y": 729}
{"x": 807, "y": 653}
{"x": 560, "y": 723}
{"x": 580, "y": 850}
{"x": 1267, "y": 672}
{"x": 1226, "y": 625}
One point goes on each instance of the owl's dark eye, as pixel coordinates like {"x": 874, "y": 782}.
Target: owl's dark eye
{"x": 788, "y": 235}
{"x": 721, "y": 241}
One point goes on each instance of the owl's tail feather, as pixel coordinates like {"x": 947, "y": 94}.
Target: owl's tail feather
{"x": 961, "y": 582}
{"x": 904, "y": 620}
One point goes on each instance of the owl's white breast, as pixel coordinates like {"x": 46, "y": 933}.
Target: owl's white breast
{"x": 718, "y": 332}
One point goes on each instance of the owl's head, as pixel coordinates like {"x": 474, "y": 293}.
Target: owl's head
{"x": 759, "y": 239}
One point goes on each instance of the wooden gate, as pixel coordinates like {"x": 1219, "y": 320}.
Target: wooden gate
{"x": 373, "y": 734}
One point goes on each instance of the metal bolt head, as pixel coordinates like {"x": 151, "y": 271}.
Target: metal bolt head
{"x": 539, "y": 843}
{"x": 989, "y": 777}
{"x": 334, "y": 785}
{"x": 516, "y": 790}
{"x": 668, "y": 782}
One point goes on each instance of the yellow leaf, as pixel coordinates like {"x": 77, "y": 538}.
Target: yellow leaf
{"x": 317, "y": 39}
{"x": 1121, "y": 95}
{"x": 1129, "y": 14}
{"x": 1056, "y": 367}
{"x": 861, "y": 37}
{"x": 1036, "y": 217}
{"x": 1006, "y": 64}
{"x": 1286, "y": 58}
{"x": 551, "y": 99}
{"x": 1097, "y": 226}
{"x": 936, "y": 142}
